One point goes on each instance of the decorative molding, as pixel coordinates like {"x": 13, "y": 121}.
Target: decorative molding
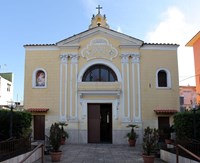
{"x": 74, "y": 58}
{"x": 99, "y": 86}
{"x": 125, "y": 58}
{"x": 99, "y": 48}
{"x": 135, "y": 58}
{"x": 64, "y": 58}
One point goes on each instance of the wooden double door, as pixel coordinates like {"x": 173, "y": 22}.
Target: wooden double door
{"x": 164, "y": 128}
{"x": 39, "y": 127}
{"x": 99, "y": 123}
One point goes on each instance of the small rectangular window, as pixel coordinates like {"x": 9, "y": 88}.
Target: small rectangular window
{"x": 8, "y": 87}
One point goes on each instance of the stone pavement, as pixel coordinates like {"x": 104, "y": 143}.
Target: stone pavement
{"x": 100, "y": 153}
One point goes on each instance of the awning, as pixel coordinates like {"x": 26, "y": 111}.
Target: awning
{"x": 165, "y": 111}
{"x": 38, "y": 109}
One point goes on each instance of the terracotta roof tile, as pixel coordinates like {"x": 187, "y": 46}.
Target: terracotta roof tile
{"x": 37, "y": 109}
{"x": 165, "y": 111}
{"x": 159, "y": 44}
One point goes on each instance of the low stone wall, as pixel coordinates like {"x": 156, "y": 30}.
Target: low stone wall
{"x": 34, "y": 157}
{"x": 171, "y": 157}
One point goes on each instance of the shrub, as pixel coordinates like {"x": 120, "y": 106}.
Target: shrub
{"x": 21, "y": 123}
{"x": 183, "y": 124}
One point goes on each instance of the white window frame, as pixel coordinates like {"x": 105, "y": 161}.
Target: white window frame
{"x": 34, "y": 78}
{"x": 169, "y": 85}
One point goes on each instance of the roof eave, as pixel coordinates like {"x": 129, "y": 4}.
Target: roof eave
{"x": 193, "y": 40}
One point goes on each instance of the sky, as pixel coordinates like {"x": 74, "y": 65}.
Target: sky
{"x": 49, "y": 21}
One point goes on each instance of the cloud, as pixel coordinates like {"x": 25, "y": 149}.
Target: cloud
{"x": 174, "y": 28}
{"x": 171, "y": 27}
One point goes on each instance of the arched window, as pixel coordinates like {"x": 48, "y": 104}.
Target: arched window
{"x": 39, "y": 78}
{"x": 99, "y": 73}
{"x": 163, "y": 78}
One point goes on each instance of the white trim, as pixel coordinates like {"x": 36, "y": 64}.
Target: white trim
{"x": 42, "y": 47}
{"x": 139, "y": 95}
{"x": 34, "y": 78}
{"x": 99, "y": 61}
{"x": 169, "y": 84}
{"x": 159, "y": 47}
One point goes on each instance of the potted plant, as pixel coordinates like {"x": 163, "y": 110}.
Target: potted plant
{"x": 150, "y": 143}
{"x": 132, "y": 135}
{"x": 64, "y": 133}
{"x": 54, "y": 139}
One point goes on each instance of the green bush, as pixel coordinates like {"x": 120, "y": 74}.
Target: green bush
{"x": 21, "y": 123}
{"x": 183, "y": 124}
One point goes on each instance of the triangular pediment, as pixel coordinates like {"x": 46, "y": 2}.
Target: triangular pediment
{"x": 125, "y": 40}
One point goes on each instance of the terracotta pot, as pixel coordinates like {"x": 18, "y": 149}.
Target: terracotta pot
{"x": 131, "y": 142}
{"x": 148, "y": 158}
{"x": 55, "y": 156}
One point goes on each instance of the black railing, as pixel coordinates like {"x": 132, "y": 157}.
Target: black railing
{"x": 40, "y": 146}
{"x": 13, "y": 147}
{"x": 188, "y": 148}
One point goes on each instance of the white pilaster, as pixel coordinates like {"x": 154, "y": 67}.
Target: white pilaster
{"x": 63, "y": 67}
{"x": 136, "y": 109}
{"x": 133, "y": 86}
{"x": 125, "y": 70}
{"x": 73, "y": 82}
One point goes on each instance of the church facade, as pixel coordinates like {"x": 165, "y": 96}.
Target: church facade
{"x": 98, "y": 82}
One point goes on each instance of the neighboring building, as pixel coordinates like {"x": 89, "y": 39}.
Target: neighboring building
{"x": 99, "y": 81}
{"x": 187, "y": 95}
{"x": 195, "y": 43}
{"x": 6, "y": 88}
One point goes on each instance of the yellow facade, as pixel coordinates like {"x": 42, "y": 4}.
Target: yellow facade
{"x": 133, "y": 97}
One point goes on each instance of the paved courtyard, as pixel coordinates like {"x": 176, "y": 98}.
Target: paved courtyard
{"x": 100, "y": 153}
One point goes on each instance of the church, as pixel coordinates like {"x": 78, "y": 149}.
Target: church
{"x": 98, "y": 82}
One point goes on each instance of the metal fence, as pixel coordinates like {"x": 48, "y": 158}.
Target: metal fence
{"x": 13, "y": 147}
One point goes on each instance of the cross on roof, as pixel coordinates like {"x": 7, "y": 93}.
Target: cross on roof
{"x": 99, "y": 8}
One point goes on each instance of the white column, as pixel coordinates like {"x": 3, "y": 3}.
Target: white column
{"x": 133, "y": 86}
{"x": 63, "y": 86}
{"x": 139, "y": 92}
{"x": 125, "y": 74}
{"x": 136, "y": 109}
{"x": 73, "y": 83}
